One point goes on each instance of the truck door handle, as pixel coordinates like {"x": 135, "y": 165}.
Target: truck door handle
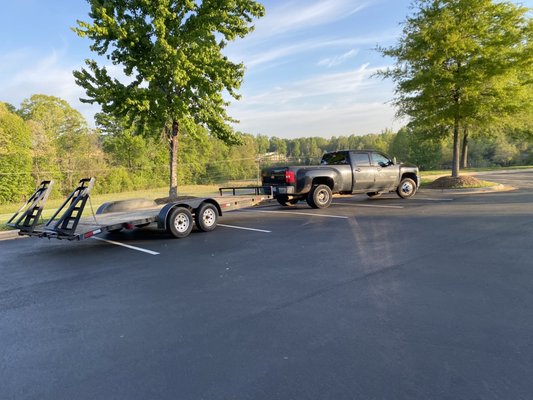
{"x": 358, "y": 170}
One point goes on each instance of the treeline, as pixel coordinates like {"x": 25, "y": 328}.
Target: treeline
{"x": 45, "y": 138}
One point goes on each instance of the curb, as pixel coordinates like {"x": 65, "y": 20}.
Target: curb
{"x": 11, "y": 234}
{"x": 492, "y": 189}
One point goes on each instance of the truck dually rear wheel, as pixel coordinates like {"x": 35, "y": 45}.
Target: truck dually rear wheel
{"x": 320, "y": 196}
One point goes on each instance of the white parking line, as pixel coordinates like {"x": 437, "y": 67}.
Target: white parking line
{"x": 302, "y": 213}
{"x": 365, "y": 205}
{"x": 430, "y": 199}
{"x": 153, "y": 253}
{"x": 243, "y": 228}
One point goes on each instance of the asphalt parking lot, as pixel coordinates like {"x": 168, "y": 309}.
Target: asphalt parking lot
{"x": 429, "y": 298}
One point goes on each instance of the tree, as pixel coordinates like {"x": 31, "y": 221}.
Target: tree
{"x": 15, "y": 156}
{"x": 462, "y": 64}
{"x": 171, "y": 50}
{"x": 65, "y": 147}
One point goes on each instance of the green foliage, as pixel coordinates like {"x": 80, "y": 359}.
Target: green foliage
{"x": 463, "y": 64}
{"x": 15, "y": 156}
{"x": 63, "y": 144}
{"x": 171, "y": 51}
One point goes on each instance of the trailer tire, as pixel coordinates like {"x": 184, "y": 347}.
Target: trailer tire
{"x": 320, "y": 196}
{"x": 180, "y": 222}
{"x": 206, "y": 217}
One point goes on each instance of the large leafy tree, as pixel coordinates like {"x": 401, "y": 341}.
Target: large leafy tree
{"x": 15, "y": 156}
{"x": 463, "y": 65}
{"x": 64, "y": 148}
{"x": 172, "y": 53}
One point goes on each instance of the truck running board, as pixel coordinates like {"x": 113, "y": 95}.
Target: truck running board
{"x": 31, "y": 211}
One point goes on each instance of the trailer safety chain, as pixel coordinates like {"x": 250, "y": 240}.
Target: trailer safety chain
{"x": 92, "y": 209}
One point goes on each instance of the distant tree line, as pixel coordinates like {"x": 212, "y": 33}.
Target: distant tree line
{"x": 45, "y": 138}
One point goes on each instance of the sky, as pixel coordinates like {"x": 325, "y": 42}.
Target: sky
{"x": 310, "y": 64}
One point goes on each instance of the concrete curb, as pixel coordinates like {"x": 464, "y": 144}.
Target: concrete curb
{"x": 492, "y": 189}
{"x": 11, "y": 234}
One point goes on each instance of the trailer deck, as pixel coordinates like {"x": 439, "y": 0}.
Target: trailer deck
{"x": 176, "y": 217}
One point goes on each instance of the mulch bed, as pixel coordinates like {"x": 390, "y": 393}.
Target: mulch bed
{"x": 448, "y": 182}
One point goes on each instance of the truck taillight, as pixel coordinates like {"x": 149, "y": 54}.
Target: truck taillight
{"x": 290, "y": 177}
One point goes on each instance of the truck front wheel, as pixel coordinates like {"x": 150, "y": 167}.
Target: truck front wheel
{"x": 320, "y": 196}
{"x": 406, "y": 188}
{"x": 180, "y": 222}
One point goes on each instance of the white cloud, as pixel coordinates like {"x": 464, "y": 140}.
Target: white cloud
{"x": 298, "y": 14}
{"x": 325, "y": 105}
{"x": 29, "y": 75}
{"x": 254, "y": 57}
{"x": 338, "y": 60}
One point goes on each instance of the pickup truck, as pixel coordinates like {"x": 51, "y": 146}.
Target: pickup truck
{"x": 342, "y": 172}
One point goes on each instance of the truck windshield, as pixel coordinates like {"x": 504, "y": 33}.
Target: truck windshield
{"x": 334, "y": 158}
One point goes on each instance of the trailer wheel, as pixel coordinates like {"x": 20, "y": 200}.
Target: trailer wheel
{"x": 180, "y": 222}
{"x": 206, "y": 217}
{"x": 320, "y": 196}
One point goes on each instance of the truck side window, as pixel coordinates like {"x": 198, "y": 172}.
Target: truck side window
{"x": 360, "y": 159}
{"x": 334, "y": 159}
{"x": 380, "y": 160}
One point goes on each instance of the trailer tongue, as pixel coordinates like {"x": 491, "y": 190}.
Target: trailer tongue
{"x": 177, "y": 217}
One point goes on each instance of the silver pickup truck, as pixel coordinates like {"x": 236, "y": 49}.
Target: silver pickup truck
{"x": 343, "y": 172}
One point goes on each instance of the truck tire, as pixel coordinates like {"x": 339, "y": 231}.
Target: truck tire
{"x": 206, "y": 217}
{"x": 285, "y": 201}
{"x": 320, "y": 196}
{"x": 406, "y": 188}
{"x": 180, "y": 222}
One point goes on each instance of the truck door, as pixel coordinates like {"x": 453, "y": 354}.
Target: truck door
{"x": 386, "y": 172}
{"x": 363, "y": 172}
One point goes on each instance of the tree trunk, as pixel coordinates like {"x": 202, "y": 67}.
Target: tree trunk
{"x": 456, "y": 149}
{"x": 173, "y": 146}
{"x": 464, "y": 152}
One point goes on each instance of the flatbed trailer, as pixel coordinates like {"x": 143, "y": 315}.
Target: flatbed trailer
{"x": 176, "y": 217}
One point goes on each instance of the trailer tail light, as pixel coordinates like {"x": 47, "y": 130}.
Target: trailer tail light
{"x": 92, "y": 233}
{"x": 290, "y": 177}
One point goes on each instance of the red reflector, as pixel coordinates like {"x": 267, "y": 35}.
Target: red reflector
{"x": 289, "y": 177}
{"x": 88, "y": 235}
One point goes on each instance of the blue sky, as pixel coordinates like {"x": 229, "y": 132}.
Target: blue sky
{"x": 309, "y": 63}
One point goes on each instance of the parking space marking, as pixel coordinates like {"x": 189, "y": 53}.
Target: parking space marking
{"x": 366, "y": 205}
{"x": 244, "y": 228}
{"x": 153, "y": 253}
{"x": 430, "y": 199}
{"x": 302, "y": 213}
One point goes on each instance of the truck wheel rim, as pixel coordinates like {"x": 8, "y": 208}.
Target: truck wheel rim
{"x": 208, "y": 217}
{"x": 407, "y": 188}
{"x": 181, "y": 223}
{"x": 323, "y": 197}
